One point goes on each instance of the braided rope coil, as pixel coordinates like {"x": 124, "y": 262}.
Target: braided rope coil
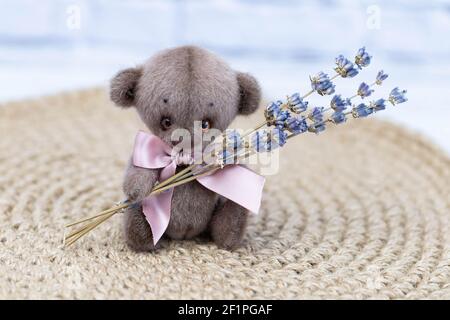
{"x": 361, "y": 211}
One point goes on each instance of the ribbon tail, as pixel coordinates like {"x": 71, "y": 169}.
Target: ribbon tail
{"x": 238, "y": 184}
{"x": 157, "y": 208}
{"x": 157, "y": 213}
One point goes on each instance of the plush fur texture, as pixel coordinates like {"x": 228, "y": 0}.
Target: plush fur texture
{"x": 186, "y": 84}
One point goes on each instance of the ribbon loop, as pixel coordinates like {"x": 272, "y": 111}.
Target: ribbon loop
{"x": 237, "y": 184}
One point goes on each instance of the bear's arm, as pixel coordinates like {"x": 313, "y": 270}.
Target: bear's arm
{"x": 138, "y": 182}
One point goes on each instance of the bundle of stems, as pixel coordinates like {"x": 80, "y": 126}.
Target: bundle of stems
{"x": 186, "y": 175}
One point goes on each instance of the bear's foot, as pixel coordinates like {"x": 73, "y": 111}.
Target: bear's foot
{"x": 137, "y": 230}
{"x": 228, "y": 225}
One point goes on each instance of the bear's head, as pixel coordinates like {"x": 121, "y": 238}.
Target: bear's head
{"x": 179, "y": 86}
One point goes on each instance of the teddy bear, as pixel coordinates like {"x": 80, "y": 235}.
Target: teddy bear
{"x": 172, "y": 90}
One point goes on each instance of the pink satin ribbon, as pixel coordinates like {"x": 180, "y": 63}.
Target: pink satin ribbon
{"x": 234, "y": 182}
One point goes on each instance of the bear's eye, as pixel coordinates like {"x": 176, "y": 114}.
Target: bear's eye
{"x": 165, "y": 100}
{"x": 206, "y": 124}
{"x": 165, "y": 123}
{"x": 130, "y": 93}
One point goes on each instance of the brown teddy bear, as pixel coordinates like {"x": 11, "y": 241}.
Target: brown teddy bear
{"x": 172, "y": 90}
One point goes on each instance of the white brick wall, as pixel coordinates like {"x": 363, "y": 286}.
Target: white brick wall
{"x": 290, "y": 27}
{"x": 281, "y": 42}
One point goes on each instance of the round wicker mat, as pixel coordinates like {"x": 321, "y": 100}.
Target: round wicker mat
{"x": 360, "y": 211}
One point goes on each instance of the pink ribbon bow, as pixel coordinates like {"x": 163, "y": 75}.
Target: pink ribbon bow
{"x": 234, "y": 182}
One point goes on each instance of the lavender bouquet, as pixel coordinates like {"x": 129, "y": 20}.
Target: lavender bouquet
{"x": 283, "y": 121}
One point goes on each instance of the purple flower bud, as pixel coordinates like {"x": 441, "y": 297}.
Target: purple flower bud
{"x": 233, "y": 140}
{"x": 381, "y": 76}
{"x": 361, "y": 111}
{"x": 296, "y": 125}
{"x": 364, "y": 90}
{"x": 345, "y": 67}
{"x": 272, "y": 109}
{"x": 278, "y": 139}
{"x": 322, "y": 84}
{"x": 396, "y": 96}
{"x": 227, "y": 157}
{"x": 316, "y": 114}
{"x": 281, "y": 117}
{"x": 362, "y": 58}
{"x": 338, "y": 117}
{"x": 263, "y": 140}
{"x": 296, "y": 103}
{"x": 317, "y": 127}
{"x": 378, "y": 105}
{"x": 259, "y": 140}
{"x": 338, "y": 104}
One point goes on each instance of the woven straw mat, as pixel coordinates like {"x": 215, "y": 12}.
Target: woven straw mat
{"x": 360, "y": 211}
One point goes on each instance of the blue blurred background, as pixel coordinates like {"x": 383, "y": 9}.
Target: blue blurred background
{"x": 50, "y": 46}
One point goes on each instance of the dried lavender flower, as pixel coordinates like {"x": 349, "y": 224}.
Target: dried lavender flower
{"x": 296, "y": 125}
{"x": 259, "y": 140}
{"x": 362, "y": 58}
{"x": 317, "y": 127}
{"x": 322, "y": 84}
{"x": 338, "y": 117}
{"x": 233, "y": 140}
{"x": 268, "y": 140}
{"x": 281, "y": 117}
{"x": 397, "y": 96}
{"x": 272, "y": 109}
{"x": 296, "y": 103}
{"x": 339, "y": 104}
{"x": 381, "y": 76}
{"x": 279, "y": 137}
{"x": 361, "y": 111}
{"x": 378, "y": 105}
{"x": 364, "y": 90}
{"x": 345, "y": 68}
{"x": 227, "y": 157}
{"x": 316, "y": 114}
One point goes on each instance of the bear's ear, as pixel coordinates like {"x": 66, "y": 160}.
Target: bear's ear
{"x": 250, "y": 93}
{"x": 123, "y": 87}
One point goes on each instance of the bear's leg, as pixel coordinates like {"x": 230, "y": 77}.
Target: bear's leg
{"x": 228, "y": 225}
{"x": 137, "y": 230}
